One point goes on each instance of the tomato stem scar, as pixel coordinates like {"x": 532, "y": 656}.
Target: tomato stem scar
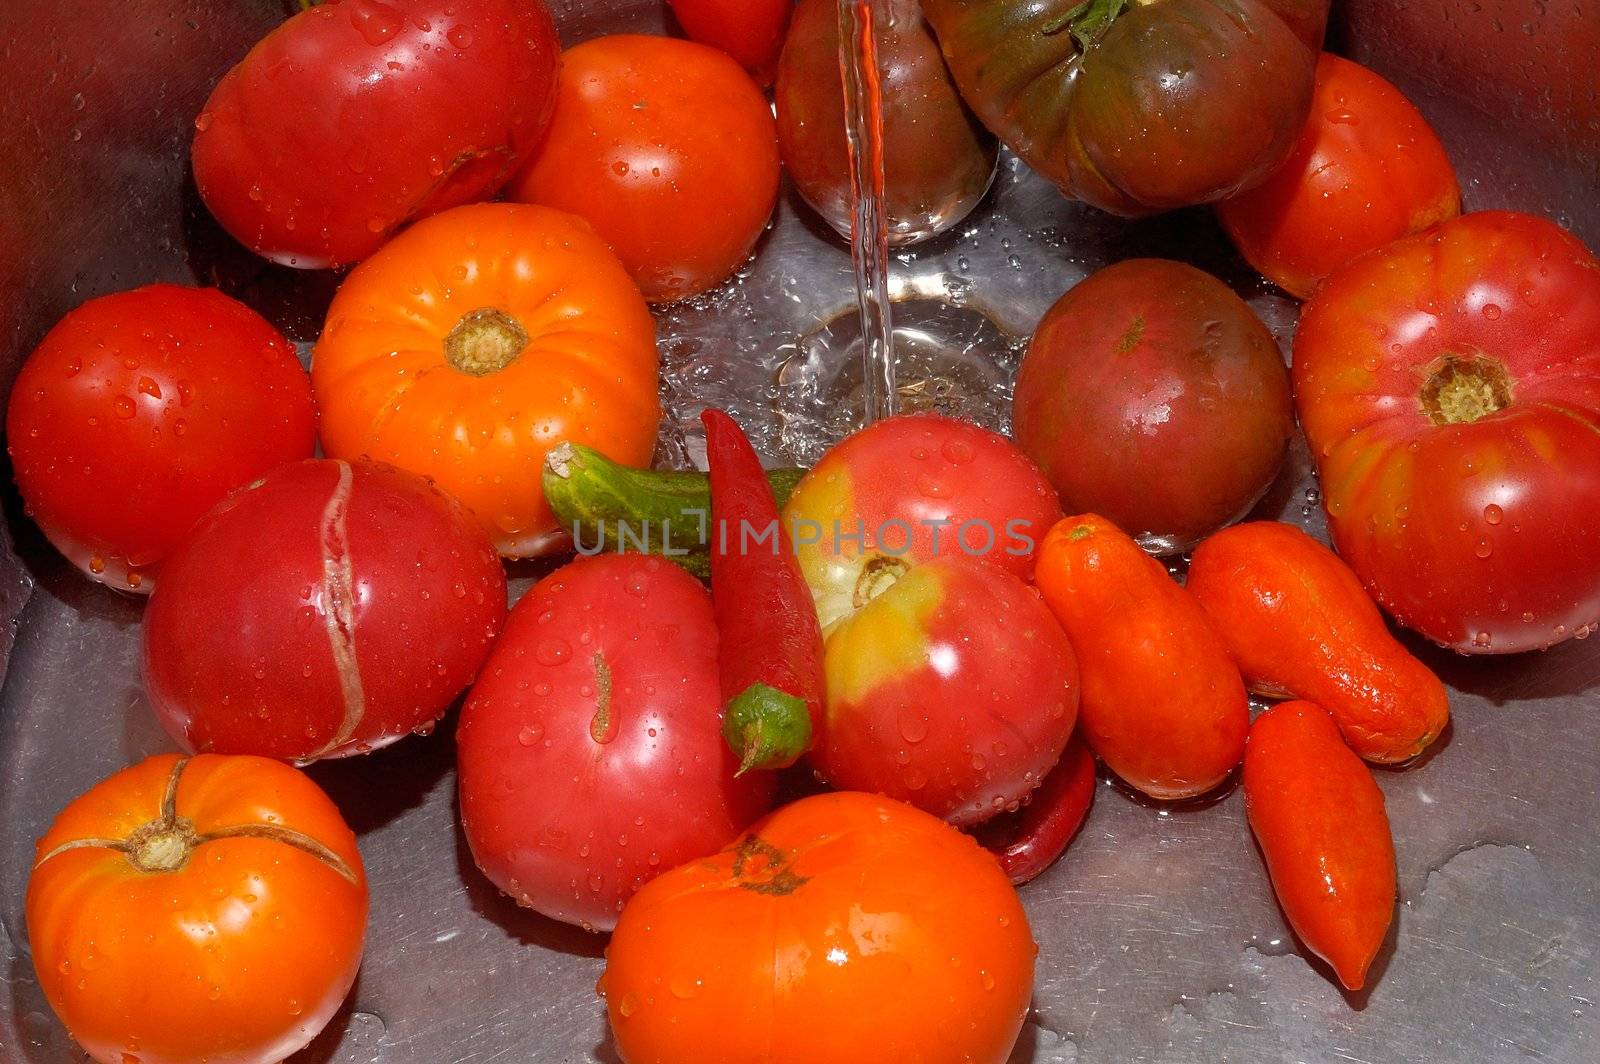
{"x": 877, "y": 576}
{"x": 603, "y": 728}
{"x": 763, "y": 868}
{"x": 166, "y": 843}
{"x": 1460, "y": 389}
{"x": 484, "y": 341}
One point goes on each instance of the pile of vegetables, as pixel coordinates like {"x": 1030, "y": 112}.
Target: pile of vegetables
{"x": 937, "y": 633}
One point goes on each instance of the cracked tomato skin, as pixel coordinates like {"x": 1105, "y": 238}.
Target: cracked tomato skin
{"x": 1173, "y": 104}
{"x": 842, "y": 929}
{"x": 1368, "y": 169}
{"x": 590, "y": 751}
{"x": 139, "y": 411}
{"x": 239, "y": 955}
{"x": 356, "y": 117}
{"x": 954, "y": 690}
{"x": 1319, "y": 817}
{"x": 328, "y": 609}
{"x": 1449, "y": 386}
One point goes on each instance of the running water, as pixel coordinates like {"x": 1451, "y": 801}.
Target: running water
{"x": 869, "y": 226}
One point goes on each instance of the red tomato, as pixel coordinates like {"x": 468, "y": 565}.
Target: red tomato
{"x": 915, "y": 486}
{"x": 952, "y": 688}
{"x": 669, "y": 150}
{"x": 749, "y": 30}
{"x": 356, "y": 117}
{"x": 1449, "y": 386}
{"x": 328, "y": 609}
{"x": 590, "y": 752}
{"x": 197, "y": 909}
{"x": 139, "y": 411}
{"x": 1368, "y": 169}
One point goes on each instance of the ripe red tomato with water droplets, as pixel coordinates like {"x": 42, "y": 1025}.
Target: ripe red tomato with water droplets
{"x": 139, "y": 411}
{"x": 1449, "y": 386}
{"x": 1368, "y": 169}
{"x": 328, "y": 609}
{"x": 749, "y": 30}
{"x": 355, "y": 118}
{"x": 590, "y": 752}
{"x": 669, "y": 150}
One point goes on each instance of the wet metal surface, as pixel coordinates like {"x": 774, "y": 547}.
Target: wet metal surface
{"x": 1160, "y": 940}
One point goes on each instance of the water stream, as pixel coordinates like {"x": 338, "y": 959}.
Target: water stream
{"x": 869, "y": 225}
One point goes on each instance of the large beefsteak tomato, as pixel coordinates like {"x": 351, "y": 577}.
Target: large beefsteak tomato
{"x": 1138, "y": 106}
{"x": 474, "y": 343}
{"x": 1449, "y": 385}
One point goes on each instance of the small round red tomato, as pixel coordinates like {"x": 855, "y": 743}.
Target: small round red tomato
{"x": 328, "y": 609}
{"x": 914, "y": 487}
{"x": 1449, "y": 385}
{"x": 197, "y": 909}
{"x": 139, "y": 411}
{"x": 1368, "y": 169}
{"x": 354, "y": 118}
{"x": 590, "y": 752}
{"x": 843, "y": 929}
{"x": 749, "y": 30}
{"x": 952, "y": 688}
{"x": 1152, "y": 395}
{"x": 669, "y": 150}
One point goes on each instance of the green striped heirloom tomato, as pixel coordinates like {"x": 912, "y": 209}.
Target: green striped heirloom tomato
{"x": 1138, "y": 105}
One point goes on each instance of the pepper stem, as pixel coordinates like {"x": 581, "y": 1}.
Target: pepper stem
{"x": 766, "y": 728}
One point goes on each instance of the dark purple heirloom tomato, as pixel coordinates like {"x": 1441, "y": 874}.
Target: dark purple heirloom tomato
{"x": 1138, "y": 106}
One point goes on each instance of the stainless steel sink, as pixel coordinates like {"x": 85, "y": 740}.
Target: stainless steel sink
{"x": 1160, "y": 940}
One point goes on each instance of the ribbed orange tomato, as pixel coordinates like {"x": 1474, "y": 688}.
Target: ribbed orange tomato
{"x": 477, "y": 340}
{"x": 197, "y": 909}
{"x": 845, "y": 928}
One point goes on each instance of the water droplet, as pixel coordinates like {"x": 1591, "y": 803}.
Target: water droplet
{"x": 1482, "y": 639}
{"x": 553, "y": 651}
{"x": 529, "y": 734}
{"x": 1491, "y": 311}
{"x": 628, "y": 1005}
{"x": 913, "y": 724}
{"x": 124, "y": 407}
{"x": 1493, "y": 514}
{"x": 685, "y": 986}
{"x": 1342, "y": 116}
{"x": 460, "y": 36}
{"x": 1483, "y": 549}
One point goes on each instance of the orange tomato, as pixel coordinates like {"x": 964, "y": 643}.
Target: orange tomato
{"x": 843, "y": 929}
{"x": 1162, "y": 703}
{"x": 1368, "y": 169}
{"x": 473, "y": 343}
{"x": 1319, "y": 817}
{"x": 208, "y": 908}
{"x": 1298, "y": 625}
{"x": 669, "y": 150}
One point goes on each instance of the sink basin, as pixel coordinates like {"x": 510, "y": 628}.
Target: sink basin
{"x": 1160, "y": 941}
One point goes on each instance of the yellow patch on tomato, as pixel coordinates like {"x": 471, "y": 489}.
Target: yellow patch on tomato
{"x": 884, "y": 640}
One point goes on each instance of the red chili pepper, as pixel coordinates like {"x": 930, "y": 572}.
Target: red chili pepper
{"x": 771, "y": 644}
{"x": 1029, "y": 841}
